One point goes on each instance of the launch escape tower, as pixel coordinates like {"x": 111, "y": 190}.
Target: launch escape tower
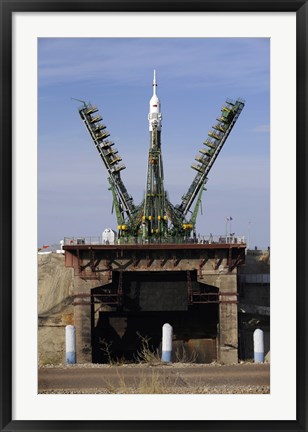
{"x": 156, "y": 219}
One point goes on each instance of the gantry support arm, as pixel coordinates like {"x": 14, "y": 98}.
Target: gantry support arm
{"x": 217, "y": 137}
{"x": 110, "y": 156}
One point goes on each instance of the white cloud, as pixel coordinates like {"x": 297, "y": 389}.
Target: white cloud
{"x": 126, "y": 60}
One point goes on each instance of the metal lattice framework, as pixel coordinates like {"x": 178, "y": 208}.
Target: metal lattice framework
{"x": 123, "y": 202}
{"x": 215, "y": 141}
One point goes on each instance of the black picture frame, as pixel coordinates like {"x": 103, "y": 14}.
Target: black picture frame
{"x": 7, "y": 9}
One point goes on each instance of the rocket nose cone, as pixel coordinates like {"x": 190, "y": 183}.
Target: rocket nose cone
{"x": 154, "y": 100}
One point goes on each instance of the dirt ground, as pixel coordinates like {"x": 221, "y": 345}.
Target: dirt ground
{"x": 177, "y": 378}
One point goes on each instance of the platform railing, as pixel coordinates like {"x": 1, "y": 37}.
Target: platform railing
{"x": 202, "y": 239}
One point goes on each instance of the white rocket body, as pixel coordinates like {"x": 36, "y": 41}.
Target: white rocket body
{"x": 155, "y": 116}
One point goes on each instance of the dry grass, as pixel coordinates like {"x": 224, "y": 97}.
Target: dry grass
{"x": 111, "y": 361}
{"x": 158, "y": 384}
{"x": 145, "y": 384}
{"x": 182, "y": 356}
{"x": 145, "y": 354}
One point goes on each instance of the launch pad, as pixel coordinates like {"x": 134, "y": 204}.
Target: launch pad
{"x": 157, "y": 270}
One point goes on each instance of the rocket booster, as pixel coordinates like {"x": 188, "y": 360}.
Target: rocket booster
{"x": 155, "y": 116}
{"x": 154, "y": 213}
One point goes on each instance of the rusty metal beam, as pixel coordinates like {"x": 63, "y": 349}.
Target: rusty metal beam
{"x": 157, "y": 246}
{"x": 117, "y": 297}
{"x": 215, "y": 302}
{"x": 189, "y": 289}
{"x": 120, "y": 289}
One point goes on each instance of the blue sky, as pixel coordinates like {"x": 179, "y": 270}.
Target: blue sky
{"x": 195, "y": 76}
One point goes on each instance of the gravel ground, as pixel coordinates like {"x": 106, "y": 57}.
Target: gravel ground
{"x": 175, "y": 378}
{"x": 174, "y": 390}
{"x": 176, "y": 365}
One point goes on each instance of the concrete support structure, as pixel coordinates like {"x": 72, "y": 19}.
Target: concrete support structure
{"x": 228, "y": 325}
{"x": 209, "y": 275}
{"x": 228, "y": 310}
{"x": 83, "y": 319}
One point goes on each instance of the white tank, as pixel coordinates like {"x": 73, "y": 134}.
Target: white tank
{"x": 61, "y": 251}
{"x": 109, "y": 236}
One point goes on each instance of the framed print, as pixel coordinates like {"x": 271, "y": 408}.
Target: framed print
{"x": 86, "y": 340}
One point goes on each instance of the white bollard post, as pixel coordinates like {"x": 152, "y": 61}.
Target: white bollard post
{"x": 258, "y": 346}
{"x": 70, "y": 341}
{"x": 167, "y": 343}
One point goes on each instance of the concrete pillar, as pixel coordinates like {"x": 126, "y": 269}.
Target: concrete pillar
{"x": 82, "y": 320}
{"x": 82, "y": 315}
{"x": 228, "y": 322}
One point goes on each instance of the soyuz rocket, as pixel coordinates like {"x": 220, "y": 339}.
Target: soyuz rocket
{"x": 154, "y": 220}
